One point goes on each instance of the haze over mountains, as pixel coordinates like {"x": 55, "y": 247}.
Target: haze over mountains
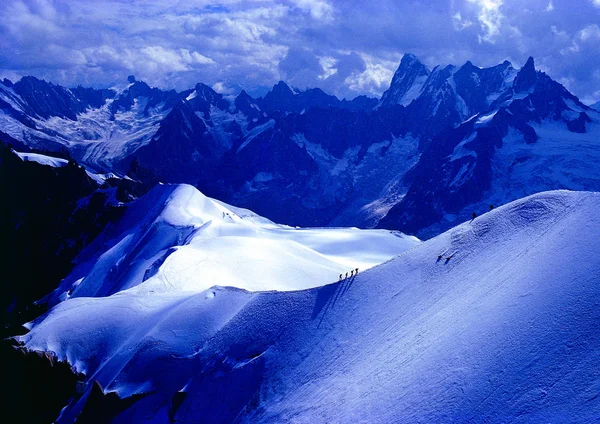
{"x": 467, "y": 136}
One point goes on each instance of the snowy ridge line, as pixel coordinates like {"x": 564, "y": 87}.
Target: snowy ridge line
{"x": 186, "y": 231}
{"x": 377, "y": 347}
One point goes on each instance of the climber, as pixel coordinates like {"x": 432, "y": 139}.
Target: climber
{"x": 491, "y": 207}
{"x": 474, "y": 216}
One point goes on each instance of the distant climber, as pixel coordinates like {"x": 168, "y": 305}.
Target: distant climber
{"x": 351, "y": 273}
{"x": 346, "y": 275}
{"x": 340, "y": 277}
{"x": 356, "y": 271}
{"x": 491, "y": 207}
{"x": 474, "y": 215}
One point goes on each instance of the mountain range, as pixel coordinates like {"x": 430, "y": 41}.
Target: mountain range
{"x": 135, "y": 291}
{"x": 446, "y": 141}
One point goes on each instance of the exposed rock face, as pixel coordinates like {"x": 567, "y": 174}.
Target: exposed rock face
{"x": 526, "y": 77}
{"x": 48, "y": 215}
{"x": 34, "y": 385}
{"x": 303, "y": 157}
{"x": 499, "y": 156}
{"x": 407, "y": 82}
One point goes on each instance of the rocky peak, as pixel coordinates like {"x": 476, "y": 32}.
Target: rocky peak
{"x": 47, "y": 99}
{"x": 407, "y": 82}
{"x": 281, "y": 97}
{"x": 281, "y": 88}
{"x": 205, "y": 97}
{"x": 526, "y": 77}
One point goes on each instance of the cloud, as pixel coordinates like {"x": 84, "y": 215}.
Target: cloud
{"x": 167, "y": 60}
{"x": 590, "y": 33}
{"x": 345, "y": 48}
{"x": 373, "y": 80}
{"x": 459, "y": 22}
{"x": 490, "y": 18}
{"x": 338, "y": 72}
{"x": 318, "y": 9}
{"x": 328, "y": 65}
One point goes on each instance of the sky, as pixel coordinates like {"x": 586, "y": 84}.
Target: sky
{"x": 345, "y": 47}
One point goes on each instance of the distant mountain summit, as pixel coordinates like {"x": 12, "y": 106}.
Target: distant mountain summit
{"x": 407, "y": 82}
{"x": 433, "y": 147}
{"x": 534, "y": 136}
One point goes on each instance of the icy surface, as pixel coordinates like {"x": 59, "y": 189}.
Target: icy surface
{"x": 98, "y": 137}
{"x": 493, "y": 321}
{"x": 42, "y": 159}
{"x": 59, "y": 163}
{"x": 177, "y": 239}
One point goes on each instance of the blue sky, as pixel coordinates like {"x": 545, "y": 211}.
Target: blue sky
{"x": 345, "y": 47}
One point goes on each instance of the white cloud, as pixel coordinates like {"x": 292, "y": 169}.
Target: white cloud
{"x": 490, "y": 17}
{"x": 318, "y": 9}
{"x": 590, "y": 32}
{"x": 550, "y": 6}
{"x": 347, "y": 48}
{"x": 573, "y": 48}
{"x": 374, "y": 79}
{"x": 556, "y": 31}
{"x": 460, "y": 23}
{"x": 328, "y": 64}
{"x": 195, "y": 57}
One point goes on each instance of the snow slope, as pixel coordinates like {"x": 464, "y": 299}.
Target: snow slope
{"x": 177, "y": 239}
{"x": 42, "y": 159}
{"x": 60, "y": 163}
{"x": 502, "y": 328}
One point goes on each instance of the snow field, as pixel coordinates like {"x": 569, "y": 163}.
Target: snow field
{"x": 503, "y": 331}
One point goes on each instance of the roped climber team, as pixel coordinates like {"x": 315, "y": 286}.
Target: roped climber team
{"x": 352, "y": 274}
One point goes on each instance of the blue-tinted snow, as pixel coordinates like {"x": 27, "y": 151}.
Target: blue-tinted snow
{"x": 493, "y": 321}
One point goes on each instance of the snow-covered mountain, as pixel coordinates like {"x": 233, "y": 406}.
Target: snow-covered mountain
{"x": 176, "y": 239}
{"x": 303, "y": 157}
{"x": 407, "y": 83}
{"x": 492, "y": 321}
{"x": 534, "y": 136}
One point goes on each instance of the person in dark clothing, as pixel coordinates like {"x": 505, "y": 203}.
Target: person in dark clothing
{"x": 474, "y": 215}
{"x": 491, "y": 207}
